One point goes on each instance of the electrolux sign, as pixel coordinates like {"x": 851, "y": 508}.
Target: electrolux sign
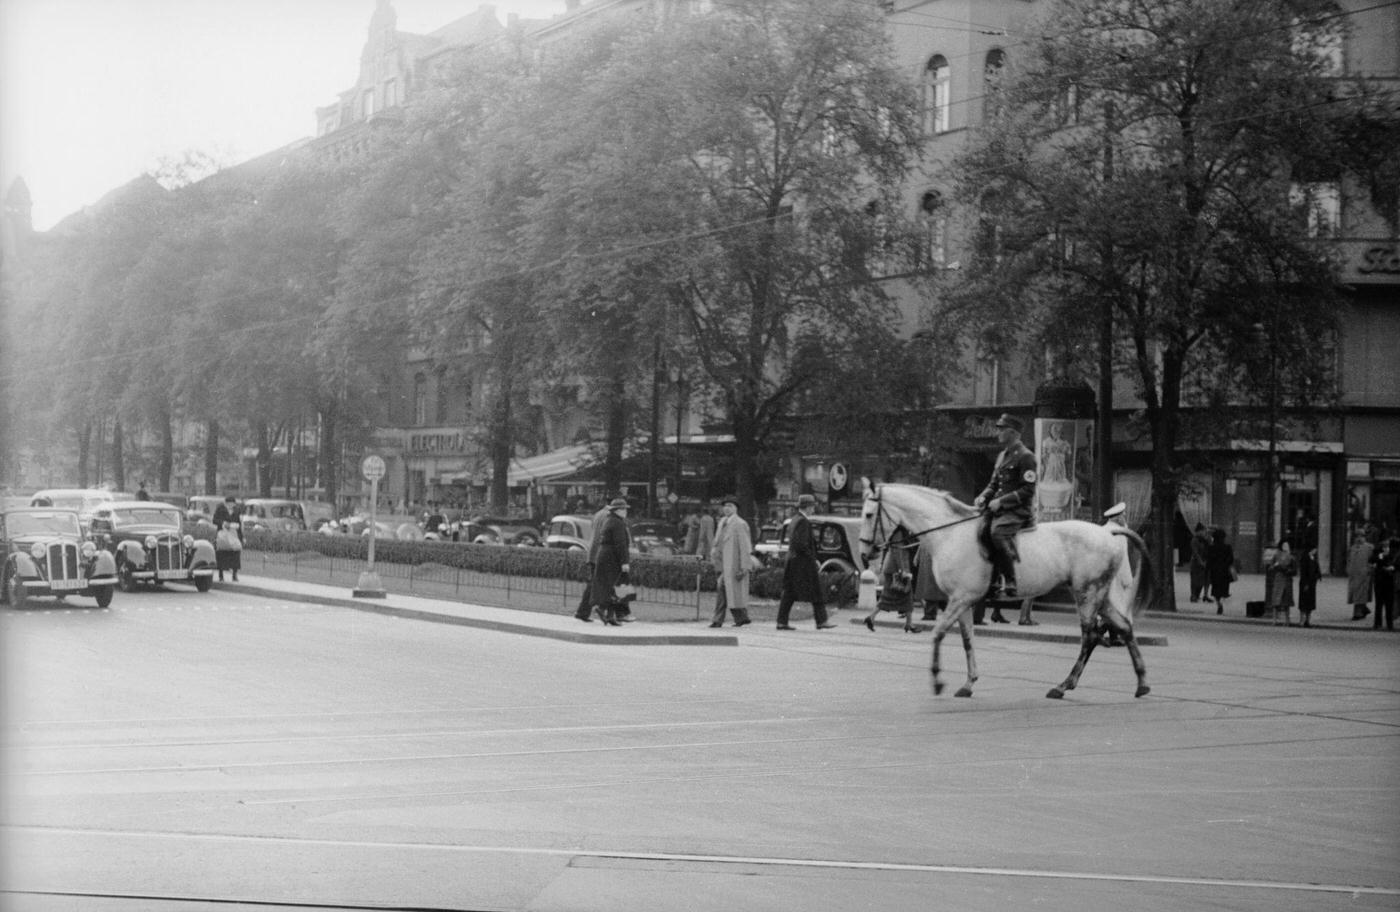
{"x": 452, "y": 443}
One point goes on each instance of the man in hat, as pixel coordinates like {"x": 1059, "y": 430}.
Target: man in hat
{"x": 611, "y": 559}
{"x": 731, "y": 555}
{"x": 801, "y": 579}
{"x": 1008, "y": 500}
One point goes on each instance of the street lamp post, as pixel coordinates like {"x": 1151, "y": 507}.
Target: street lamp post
{"x": 678, "y": 384}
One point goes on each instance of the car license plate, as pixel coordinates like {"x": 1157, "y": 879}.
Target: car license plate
{"x": 66, "y": 585}
{"x": 170, "y": 574}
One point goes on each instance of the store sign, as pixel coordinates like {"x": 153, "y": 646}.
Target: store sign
{"x": 1380, "y": 259}
{"x": 454, "y": 443}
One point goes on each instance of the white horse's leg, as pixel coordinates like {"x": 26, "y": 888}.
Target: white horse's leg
{"x": 953, "y": 614}
{"x": 1089, "y": 601}
{"x": 966, "y": 629}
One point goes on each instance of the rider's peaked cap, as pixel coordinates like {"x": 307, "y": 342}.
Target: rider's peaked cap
{"x": 1010, "y": 421}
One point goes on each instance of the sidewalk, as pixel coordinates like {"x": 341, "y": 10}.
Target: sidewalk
{"x": 660, "y": 624}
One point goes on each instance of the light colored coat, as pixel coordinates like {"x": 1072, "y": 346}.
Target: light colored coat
{"x": 730, "y": 555}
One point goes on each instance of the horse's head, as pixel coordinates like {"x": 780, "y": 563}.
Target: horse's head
{"x": 871, "y": 523}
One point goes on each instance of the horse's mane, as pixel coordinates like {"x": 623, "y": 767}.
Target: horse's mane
{"x": 957, "y": 507}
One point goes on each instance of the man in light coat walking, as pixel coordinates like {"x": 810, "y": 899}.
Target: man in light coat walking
{"x": 730, "y": 555}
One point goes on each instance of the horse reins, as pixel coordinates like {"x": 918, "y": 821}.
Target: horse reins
{"x": 910, "y": 540}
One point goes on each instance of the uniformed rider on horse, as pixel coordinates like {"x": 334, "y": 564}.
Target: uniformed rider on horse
{"x": 1008, "y": 500}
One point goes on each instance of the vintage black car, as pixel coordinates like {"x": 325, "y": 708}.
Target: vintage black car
{"x": 150, "y": 547}
{"x": 46, "y": 554}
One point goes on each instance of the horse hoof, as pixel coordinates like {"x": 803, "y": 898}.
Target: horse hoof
{"x": 963, "y": 692}
{"x": 870, "y": 625}
{"x": 937, "y": 688}
{"x": 1056, "y": 694}
{"x": 1143, "y": 691}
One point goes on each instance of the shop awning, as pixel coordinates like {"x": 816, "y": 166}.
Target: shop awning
{"x": 548, "y": 466}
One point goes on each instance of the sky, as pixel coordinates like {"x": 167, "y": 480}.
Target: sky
{"x": 94, "y": 93}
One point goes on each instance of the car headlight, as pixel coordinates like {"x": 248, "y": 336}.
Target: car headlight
{"x": 88, "y": 549}
{"x": 187, "y": 541}
{"x": 36, "y": 551}
{"x": 150, "y": 541}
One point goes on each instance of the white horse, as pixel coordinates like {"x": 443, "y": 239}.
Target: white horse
{"x": 1091, "y": 559}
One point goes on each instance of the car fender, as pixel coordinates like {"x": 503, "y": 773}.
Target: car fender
{"x": 202, "y": 552}
{"x": 24, "y": 565}
{"x": 103, "y": 564}
{"x": 132, "y": 553}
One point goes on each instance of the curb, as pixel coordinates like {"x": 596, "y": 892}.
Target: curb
{"x": 434, "y": 617}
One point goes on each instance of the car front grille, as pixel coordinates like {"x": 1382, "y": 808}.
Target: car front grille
{"x": 63, "y": 563}
{"x": 169, "y": 555}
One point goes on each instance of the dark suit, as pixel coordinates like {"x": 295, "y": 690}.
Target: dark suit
{"x": 611, "y": 549}
{"x": 801, "y": 580}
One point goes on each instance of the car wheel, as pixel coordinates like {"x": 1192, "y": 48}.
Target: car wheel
{"x": 125, "y": 579}
{"x": 103, "y": 594}
{"x": 15, "y": 595}
{"x": 203, "y": 583}
{"x": 526, "y": 540}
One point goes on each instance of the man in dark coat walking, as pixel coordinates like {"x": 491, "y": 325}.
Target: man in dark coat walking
{"x": 801, "y": 579}
{"x": 611, "y": 558}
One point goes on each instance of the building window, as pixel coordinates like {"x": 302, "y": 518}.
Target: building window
{"x": 992, "y": 72}
{"x": 936, "y": 95}
{"x": 440, "y": 384}
{"x": 420, "y": 399}
{"x": 391, "y": 93}
{"x": 367, "y": 104}
{"x": 1319, "y": 205}
{"x": 933, "y": 220}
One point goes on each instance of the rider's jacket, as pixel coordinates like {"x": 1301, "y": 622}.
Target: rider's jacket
{"x": 1013, "y": 480}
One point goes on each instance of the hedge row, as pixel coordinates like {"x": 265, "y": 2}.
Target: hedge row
{"x": 549, "y": 563}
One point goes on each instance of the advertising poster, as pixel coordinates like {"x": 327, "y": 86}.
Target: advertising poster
{"x": 1064, "y": 448}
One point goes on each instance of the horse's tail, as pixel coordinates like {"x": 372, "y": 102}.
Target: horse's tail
{"x": 1144, "y": 584}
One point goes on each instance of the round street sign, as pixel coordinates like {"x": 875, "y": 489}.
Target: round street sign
{"x": 837, "y": 478}
{"x": 372, "y": 467}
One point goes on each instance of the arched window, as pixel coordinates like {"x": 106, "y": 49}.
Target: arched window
{"x": 991, "y": 82}
{"x": 933, "y": 219}
{"x": 420, "y": 399}
{"x": 440, "y": 397}
{"x": 936, "y": 95}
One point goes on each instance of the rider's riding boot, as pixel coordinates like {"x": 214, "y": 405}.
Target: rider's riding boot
{"x": 1006, "y": 567}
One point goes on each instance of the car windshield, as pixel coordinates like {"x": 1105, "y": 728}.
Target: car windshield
{"x": 280, "y": 510}
{"x": 146, "y": 516}
{"x": 42, "y": 523}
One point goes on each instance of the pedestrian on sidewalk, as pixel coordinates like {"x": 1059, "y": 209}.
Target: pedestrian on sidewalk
{"x": 1200, "y": 541}
{"x": 801, "y": 576}
{"x": 1220, "y": 568}
{"x": 228, "y": 538}
{"x": 1280, "y": 569}
{"x": 1360, "y": 575}
{"x": 730, "y": 555}
{"x": 1309, "y": 572}
{"x": 1386, "y": 560}
{"x": 612, "y": 561}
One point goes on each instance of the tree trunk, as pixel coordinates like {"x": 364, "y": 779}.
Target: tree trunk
{"x": 327, "y": 471}
{"x": 264, "y": 461}
{"x": 84, "y": 454}
{"x": 211, "y": 458}
{"x": 118, "y": 456}
{"x": 502, "y": 446}
{"x": 616, "y": 431}
{"x": 167, "y": 450}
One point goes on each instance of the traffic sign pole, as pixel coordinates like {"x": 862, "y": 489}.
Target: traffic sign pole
{"x": 369, "y": 584}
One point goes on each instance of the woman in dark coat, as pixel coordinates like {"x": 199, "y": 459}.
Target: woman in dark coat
{"x": 226, "y": 517}
{"x": 1220, "y": 558}
{"x": 801, "y": 579}
{"x": 611, "y": 559}
{"x": 1309, "y": 572}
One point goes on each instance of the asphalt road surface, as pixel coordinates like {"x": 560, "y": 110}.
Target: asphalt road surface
{"x": 227, "y": 751}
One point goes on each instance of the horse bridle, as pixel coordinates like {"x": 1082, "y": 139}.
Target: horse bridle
{"x": 910, "y": 539}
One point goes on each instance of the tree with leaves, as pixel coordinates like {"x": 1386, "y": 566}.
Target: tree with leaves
{"x": 1160, "y": 160}
{"x": 736, "y": 176}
